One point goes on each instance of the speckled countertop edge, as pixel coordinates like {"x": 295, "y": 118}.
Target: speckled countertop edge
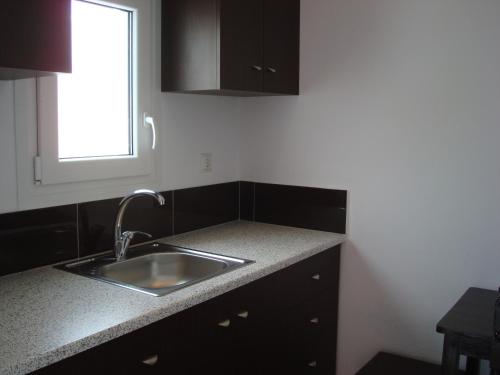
{"x": 42, "y": 321}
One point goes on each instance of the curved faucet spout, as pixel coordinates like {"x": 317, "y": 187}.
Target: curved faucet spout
{"x": 121, "y": 240}
{"x": 144, "y": 192}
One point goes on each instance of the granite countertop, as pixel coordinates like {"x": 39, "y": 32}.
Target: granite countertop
{"x": 47, "y": 315}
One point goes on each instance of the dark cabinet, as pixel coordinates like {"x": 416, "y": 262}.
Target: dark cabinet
{"x": 296, "y": 312}
{"x": 241, "y": 51}
{"x": 132, "y": 354}
{"x": 281, "y": 46}
{"x": 231, "y": 47}
{"x": 283, "y": 323}
{"x": 35, "y": 38}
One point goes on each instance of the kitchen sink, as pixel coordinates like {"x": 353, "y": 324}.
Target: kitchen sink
{"x": 156, "y": 269}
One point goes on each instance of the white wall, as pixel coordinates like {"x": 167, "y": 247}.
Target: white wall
{"x": 400, "y": 105}
{"x": 192, "y": 125}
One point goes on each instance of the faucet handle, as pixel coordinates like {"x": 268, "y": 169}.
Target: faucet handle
{"x": 122, "y": 245}
{"x": 130, "y": 234}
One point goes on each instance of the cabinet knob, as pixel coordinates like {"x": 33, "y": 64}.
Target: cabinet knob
{"x": 257, "y": 68}
{"x": 151, "y": 361}
{"x": 272, "y": 70}
{"x": 314, "y": 320}
{"x": 313, "y": 364}
{"x": 316, "y": 277}
{"x": 225, "y": 323}
{"x": 243, "y": 314}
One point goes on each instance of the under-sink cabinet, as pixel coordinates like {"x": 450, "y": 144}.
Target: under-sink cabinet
{"x": 284, "y": 323}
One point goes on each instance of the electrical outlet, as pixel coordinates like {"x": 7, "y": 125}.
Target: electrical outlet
{"x": 206, "y": 162}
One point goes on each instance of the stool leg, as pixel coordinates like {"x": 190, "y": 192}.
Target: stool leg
{"x": 472, "y": 367}
{"x": 451, "y": 355}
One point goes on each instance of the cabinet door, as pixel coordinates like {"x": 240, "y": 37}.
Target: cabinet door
{"x": 291, "y": 319}
{"x": 215, "y": 337}
{"x": 182, "y": 342}
{"x": 201, "y": 340}
{"x": 189, "y": 45}
{"x": 281, "y": 46}
{"x": 250, "y": 330}
{"x": 137, "y": 353}
{"x": 241, "y": 45}
{"x": 36, "y": 35}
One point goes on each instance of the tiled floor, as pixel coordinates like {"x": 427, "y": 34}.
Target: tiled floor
{"x": 390, "y": 364}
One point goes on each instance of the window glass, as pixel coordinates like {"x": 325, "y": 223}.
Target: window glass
{"x": 95, "y": 100}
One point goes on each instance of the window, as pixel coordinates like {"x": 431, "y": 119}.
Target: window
{"x": 91, "y": 122}
{"x": 102, "y": 51}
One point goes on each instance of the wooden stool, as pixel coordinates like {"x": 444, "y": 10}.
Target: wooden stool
{"x": 468, "y": 330}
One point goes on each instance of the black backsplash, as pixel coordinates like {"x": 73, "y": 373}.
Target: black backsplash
{"x": 247, "y": 202}
{"x": 204, "y": 206}
{"x": 295, "y": 206}
{"x": 35, "y": 238}
{"x": 40, "y": 237}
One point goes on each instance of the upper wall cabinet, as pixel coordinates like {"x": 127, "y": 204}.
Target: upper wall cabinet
{"x": 231, "y": 47}
{"x": 35, "y": 38}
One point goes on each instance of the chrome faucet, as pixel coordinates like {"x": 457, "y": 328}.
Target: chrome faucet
{"x": 122, "y": 240}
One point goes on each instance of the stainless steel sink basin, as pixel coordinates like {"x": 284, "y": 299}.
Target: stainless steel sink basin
{"x": 156, "y": 269}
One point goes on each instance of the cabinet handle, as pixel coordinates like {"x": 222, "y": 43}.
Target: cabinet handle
{"x": 272, "y": 70}
{"x": 225, "y": 323}
{"x": 313, "y": 364}
{"x": 243, "y": 314}
{"x": 314, "y": 320}
{"x": 316, "y": 277}
{"x": 257, "y": 68}
{"x": 151, "y": 361}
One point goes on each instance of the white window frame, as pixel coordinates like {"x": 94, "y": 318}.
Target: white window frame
{"x": 59, "y": 171}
